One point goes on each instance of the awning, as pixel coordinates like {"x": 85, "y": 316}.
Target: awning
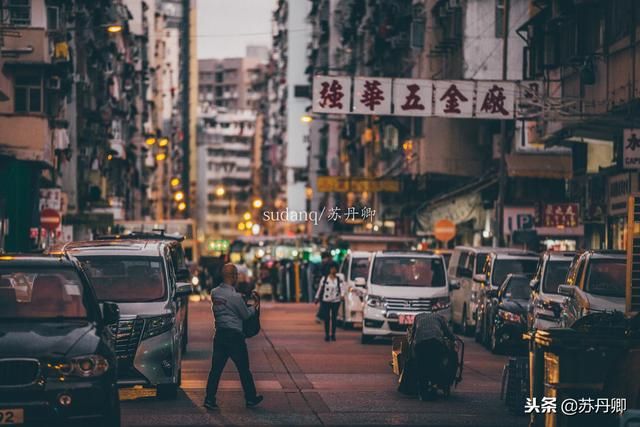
{"x": 539, "y": 166}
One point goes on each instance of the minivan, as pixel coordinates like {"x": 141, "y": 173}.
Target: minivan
{"x": 465, "y": 262}
{"x": 139, "y": 276}
{"x": 401, "y": 285}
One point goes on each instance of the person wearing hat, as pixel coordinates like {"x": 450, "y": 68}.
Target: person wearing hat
{"x": 329, "y": 295}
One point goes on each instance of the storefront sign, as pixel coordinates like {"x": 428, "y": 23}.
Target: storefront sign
{"x": 51, "y": 198}
{"x": 518, "y": 218}
{"x": 483, "y": 99}
{"x": 560, "y": 215}
{"x": 337, "y": 184}
{"x": 619, "y": 187}
{"x": 631, "y": 148}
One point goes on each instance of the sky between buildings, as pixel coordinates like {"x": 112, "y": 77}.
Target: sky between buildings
{"x": 226, "y": 27}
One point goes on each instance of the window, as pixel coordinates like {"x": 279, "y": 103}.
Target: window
{"x": 359, "y": 268}
{"x": 53, "y": 18}
{"x": 462, "y": 265}
{"x": 500, "y": 18}
{"x": 555, "y": 275}
{"x": 406, "y": 271}
{"x": 606, "y": 277}
{"x": 19, "y": 12}
{"x": 504, "y": 267}
{"x": 28, "y": 94}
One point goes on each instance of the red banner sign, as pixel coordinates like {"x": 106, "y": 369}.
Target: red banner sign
{"x": 560, "y": 215}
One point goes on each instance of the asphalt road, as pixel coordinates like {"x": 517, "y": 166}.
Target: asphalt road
{"x": 307, "y": 381}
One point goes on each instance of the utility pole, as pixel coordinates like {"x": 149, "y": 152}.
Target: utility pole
{"x": 504, "y": 144}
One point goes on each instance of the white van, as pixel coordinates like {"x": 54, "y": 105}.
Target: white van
{"x": 401, "y": 285}
{"x": 355, "y": 271}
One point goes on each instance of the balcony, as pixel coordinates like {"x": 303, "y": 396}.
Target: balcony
{"x": 31, "y": 47}
{"x": 26, "y": 137}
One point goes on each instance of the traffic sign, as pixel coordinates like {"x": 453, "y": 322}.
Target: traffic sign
{"x": 49, "y": 219}
{"x": 444, "y": 230}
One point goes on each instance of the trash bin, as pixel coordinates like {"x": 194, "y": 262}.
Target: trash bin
{"x": 598, "y": 358}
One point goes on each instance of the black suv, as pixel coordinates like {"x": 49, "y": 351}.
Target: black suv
{"x": 57, "y": 360}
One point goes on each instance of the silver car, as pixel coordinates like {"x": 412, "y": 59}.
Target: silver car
{"x": 139, "y": 276}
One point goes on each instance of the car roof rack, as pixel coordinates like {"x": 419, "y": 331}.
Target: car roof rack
{"x": 156, "y": 234}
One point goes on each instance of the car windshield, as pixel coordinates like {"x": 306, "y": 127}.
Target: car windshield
{"x": 518, "y": 288}
{"x": 359, "y": 268}
{"x": 555, "y": 275}
{"x": 516, "y": 266}
{"x": 408, "y": 271}
{"x": 126, "y": 279}
{"x": 40, "y": 293}
{"x": 607, "y": 277}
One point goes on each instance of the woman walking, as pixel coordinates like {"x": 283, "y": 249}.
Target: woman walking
{"x": 329, "y": 295}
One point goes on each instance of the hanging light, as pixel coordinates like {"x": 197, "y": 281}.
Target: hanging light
{"x": 179, "y": 196}
{"x": 163, "y": 142}
{"x": 220, "y": 191}
{"x": 150, "y": 141}
{"x": 161, "y": 156}
{"x": 182, "y": 206}
{"x": 257, "y": 203}
{"x": 175, "y": 182}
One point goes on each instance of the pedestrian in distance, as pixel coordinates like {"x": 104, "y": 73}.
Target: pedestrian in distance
{"x": 329, "y": 295}
{"x": 229, "y": 312}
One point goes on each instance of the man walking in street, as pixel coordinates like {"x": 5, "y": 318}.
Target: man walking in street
{"x": 229, "y": 312}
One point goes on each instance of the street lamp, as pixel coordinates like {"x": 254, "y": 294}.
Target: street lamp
{"x": 161, "y": 156}
{"x": 175, "y": 182}
{"x": 179, "y": 196}
{"x": 246, "y": 216}
{"x": 163, "y": 142}
{"x": 150, "y": 141}
{"x": 182, "y": 206}
{"x": 306, "y": 118}
{"x": 114, "y": 28}
{"x": 220, "y": 191}
{"x": 257, "y": 203}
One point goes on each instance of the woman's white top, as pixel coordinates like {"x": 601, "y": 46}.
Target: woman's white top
{"x": 330, "y": 290}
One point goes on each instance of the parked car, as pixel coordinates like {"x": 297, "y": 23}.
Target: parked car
{"x": 497, "y": 266}
{"x": 546, "y": 304}
{"x": 465, "y": 262}
{"x": 596, "y": 282}
{"x": 139, "y": 276}
{"x": 401, "y": 285}
{"x": 180, "y": 267}
{"x": 57, "y": 359}
{"x": 508, "y": 313}
{"x": 354, "y": 270}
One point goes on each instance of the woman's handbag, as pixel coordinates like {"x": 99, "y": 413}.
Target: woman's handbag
{"x": 251, "y": 326}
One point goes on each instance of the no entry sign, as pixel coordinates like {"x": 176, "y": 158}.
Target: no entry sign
{"x": 49, "y": 219}
{"x": 444, "y": 230}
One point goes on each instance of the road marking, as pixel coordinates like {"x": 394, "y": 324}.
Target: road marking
{"x": 230, "y": 385}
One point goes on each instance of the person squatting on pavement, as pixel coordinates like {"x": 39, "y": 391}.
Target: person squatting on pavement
{"x": 427, "y": 340}
{"x": 229, "y": 312}
{"x": 329, "y": 295}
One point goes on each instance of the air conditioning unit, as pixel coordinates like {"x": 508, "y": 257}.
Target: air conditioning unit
{"x": 53, "y": 83}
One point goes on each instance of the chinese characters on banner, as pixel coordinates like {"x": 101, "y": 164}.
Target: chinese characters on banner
{"x": 371, "y": 95}
{"x": 413, "y": 97}
{"x": 560, "y": 215}
{"x": 631, "y": 148}
{"x": 331, "y": 94}
{"x": 418, "y": 97}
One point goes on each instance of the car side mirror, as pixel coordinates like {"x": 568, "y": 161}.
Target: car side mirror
{"x": 183, "y": 289}
{"x": 110, "y": 313}
{"x": 360, "y": 281}
{"x": 567, "y": 290}
{"x": 183, "y": 275}
{"x": 480, "y": 278}
{"x": 533, "y": 284}
{"x": 454, "y": 284}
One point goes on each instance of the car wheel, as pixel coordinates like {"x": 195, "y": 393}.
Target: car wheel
{"x": 366, "y": 339}
{"x": 466, "y": 329}
{"x": 495, "y": 347}
{"x": 477, "y": 336}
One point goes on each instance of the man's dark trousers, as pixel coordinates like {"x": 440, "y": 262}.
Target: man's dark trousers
{"x": 230, "y": 344}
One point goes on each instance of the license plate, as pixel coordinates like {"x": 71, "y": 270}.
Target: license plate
{"x": 406, "y": 319}
{"x": 11, "y": 416}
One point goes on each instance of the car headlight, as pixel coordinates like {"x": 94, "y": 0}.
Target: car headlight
{"x": 81, "y": 366}
{"x": 157, "y": 325}
{"x": 375, "y": 301}
{"x": 509, "y": 316}
{"x": 441, "y": 303}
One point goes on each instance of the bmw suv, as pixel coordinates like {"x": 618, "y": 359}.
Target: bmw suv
{"x": 57, "y": 361}
{"x": 139, "y": 276}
